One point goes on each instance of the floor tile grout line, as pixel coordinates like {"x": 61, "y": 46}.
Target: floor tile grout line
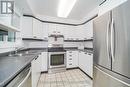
{"x": 83, "y": 76}
{"x": 71, "y": 75}
{"x": 68, "y": 79}
{"x": 62, "y": 80}
{"x": 65, "y": 80}
{"x": 57, "y": 81}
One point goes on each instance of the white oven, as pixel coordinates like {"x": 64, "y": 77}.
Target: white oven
{"x": 57, "y": 60}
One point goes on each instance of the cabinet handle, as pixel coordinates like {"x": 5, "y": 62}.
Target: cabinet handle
{"x": 34, "y": 36}
{"x": 89, "y": 54}
{"x": 85, "y": 53}
{"x": 70, "y": 64}
{"x": 70, "y": 51}
{"x": 70, "y": 59}
{"x": 36, "y": 57}
{"x": 70, "y": 55}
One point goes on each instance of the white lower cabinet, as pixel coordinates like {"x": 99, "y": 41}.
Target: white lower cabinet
{"x": 44, "y": 61}
{"x": 81, "y": 59}
{"x": 72, "y": 59}
{"x": 86, "y": 62}
{"x": 38, "y": 65}
{"x": 36, "y": 70}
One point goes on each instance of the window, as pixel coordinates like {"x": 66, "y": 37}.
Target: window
{"x": 7, "y": 36}
{"x": 7, "y": 7}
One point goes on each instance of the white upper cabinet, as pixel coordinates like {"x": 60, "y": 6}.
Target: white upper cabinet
{"x": 68, "y": 32}
{"x": 51, "y": 28}
{"x": 33, "y": 28}
{"x": 73, "y": 32}
{"x": 55, "y": 29}
{"x": 79, "y": 32}
{"x": 27, "y": 27}
{"x": 59, "y": 29}
{"x": 88, "y": 30}
{"x": 45, "y": 30}
{"x": 37, "y": 29}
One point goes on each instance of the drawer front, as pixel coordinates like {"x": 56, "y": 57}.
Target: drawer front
{"x": 70, "y": 65}
{"x": 72, "y": 59}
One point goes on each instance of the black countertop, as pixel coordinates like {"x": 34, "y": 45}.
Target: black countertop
{"x": 11, "y": 66}
{"x": 89, "y": 50}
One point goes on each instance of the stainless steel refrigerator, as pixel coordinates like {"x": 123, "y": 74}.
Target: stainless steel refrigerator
{"x": 112, "y": 48}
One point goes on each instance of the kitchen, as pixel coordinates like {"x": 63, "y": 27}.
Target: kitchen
{"x": 64, "y": 43}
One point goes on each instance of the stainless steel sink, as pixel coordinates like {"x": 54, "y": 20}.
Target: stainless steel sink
{"x": 22, "y": 54}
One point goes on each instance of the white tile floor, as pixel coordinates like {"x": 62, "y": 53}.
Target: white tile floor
{"x": 69, "y": 78}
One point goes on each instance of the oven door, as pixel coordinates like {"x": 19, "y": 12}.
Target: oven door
{"x": 57, "y": 59}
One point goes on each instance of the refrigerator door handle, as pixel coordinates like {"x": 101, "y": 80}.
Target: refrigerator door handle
{"x": 112, "y": 40}
{"x": 107, "y": 38}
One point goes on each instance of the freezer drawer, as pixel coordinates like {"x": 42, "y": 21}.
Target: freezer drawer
{"x": 103, "y": 79}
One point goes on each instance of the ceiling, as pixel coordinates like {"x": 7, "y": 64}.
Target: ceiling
{"x": 50, "y": 7}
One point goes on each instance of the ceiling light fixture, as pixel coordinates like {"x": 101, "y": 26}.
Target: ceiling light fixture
{"x": 65, "y": 7}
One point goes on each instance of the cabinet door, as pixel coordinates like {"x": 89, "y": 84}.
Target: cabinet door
{"x": 69, "y": 32}
{"x": 88, "y": 64}
{"x": 45, "y": 30}
{"x": 79, "y": 32}
{"x": 44, "y": 61}
{"x": 69, "y": 59}
{"x": 37, "y": 29}
{"x": 81, "y": 60}
{"x": 35, "y": 64}
{"x": 58, "y": 29}
{"x": 88, "y": 30}
{"x": 26, "y": 27}
{"x": 52, "y": 28}
{"x": 41, "y": 34}
{"x": 75, "y": 58}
